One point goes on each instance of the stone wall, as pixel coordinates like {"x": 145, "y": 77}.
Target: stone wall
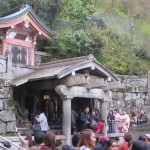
{"x": 7, "y": 73}
{"x": 7, "y": 114}
{"x": 136, "y": 95}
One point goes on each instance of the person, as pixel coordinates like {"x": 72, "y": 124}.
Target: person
{"x": 142, "y": 117}
{"x": 147, "y": 137}
{"x": 26, "y": 142}
{"x": 74, "y": 116}
{"x": 66, "y": 147}
{"x": 38, "y": 139}
{"x": 133, "y": 119}
{"x": 140, "y": 145}
{"x": 85, "y": 119}
{"x": 102, "y": 143}
{"x": 117, "y": 121}
{"x": 127, "y": 137}
{"x": 142, "y": 137}
{"x": 75, "y": 140}
{"x": 130, "y": 143}
{"x": 49, "y": 141}
{"x": 41, "y": 118}
{"x": 111, "y": 119}
{"x": 87, "y": 140}
{"x": 94, "y": 123}
{"x": 125, "y": 122}
{"x": 97, "y": 114}
{"x": 112, "y": 145}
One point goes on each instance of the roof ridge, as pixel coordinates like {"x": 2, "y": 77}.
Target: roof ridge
{"x": 87, "y": 57}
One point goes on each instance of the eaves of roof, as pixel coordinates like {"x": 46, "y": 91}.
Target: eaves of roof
{"x": 64, "y": 70}
{"x": 26, "y": 10}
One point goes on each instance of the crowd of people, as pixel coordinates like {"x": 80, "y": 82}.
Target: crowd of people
{"x": 117, "y": 122}
{"x": 85, "y": 120}
{"x": 84, "y": 129}
{"x": 120, "y": 123}
{"x": 86, "y": 140}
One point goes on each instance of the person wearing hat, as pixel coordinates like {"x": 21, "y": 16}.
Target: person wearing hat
{"x": 102, "y": 143}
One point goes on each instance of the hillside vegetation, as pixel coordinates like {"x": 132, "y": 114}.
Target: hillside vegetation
{"x": 116, "y": 32}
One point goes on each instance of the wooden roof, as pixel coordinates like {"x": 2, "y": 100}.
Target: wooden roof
{"x": 62, "y": 68}
{"x": 25, "y": 13}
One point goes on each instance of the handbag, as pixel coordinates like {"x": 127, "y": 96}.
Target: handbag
{"x": 36, "y": 127}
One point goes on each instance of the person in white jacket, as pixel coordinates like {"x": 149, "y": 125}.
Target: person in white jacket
{"x": 41, "y": 118}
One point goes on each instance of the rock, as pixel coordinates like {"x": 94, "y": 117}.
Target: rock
{"x": 7, "y": 115}
{"x": 2, "y": 127}
{"x": 121, "y": 104}
{"x": 1, "y": 104}
{"x": 143, "y": 95}
{"x": 147, "y": 102}
{"x": 139, "y": 102}
{"x": 130, "y": 89}
{"x": 136, "y": 96}
{"x": 111, "y": 103}
{"x": 147, "y": 110}
{"x": 117, "y": 96}
{"x": 8, "y": 104}
{"x": 10, "y": 126}
{"x": 128, "y": 104}
{"x": 127, "y": 96}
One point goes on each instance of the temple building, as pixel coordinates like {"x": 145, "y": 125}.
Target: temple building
{"x": 55, "y": 87}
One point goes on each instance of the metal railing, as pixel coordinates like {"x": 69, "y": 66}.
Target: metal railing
{"x": 5, "y": 148}
{"x": 113, "y": 126}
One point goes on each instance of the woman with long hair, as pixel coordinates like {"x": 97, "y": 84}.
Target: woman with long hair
{"x": 49, "y": 141}
{"x": 26, "y": 142}
{"x": 111, "y": 120}
{"x": 133, "y": 119}
{"x": 87, "y": 140}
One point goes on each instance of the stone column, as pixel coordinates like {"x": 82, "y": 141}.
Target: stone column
{"x": 104, "y": 115}
{"x": 66, "y": 124}
{"x": 104, "y": 106}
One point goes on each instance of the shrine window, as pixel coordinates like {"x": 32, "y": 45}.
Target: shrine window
{"x": 20, "y": 36}
{"x": 21, "y": 55}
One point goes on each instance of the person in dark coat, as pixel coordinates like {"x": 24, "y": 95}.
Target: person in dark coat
{"x": 140, "y": 145}
{"x": 85, "y": 119}
{"x": 111, "y": 120}
{"x": 98, "y": 115}
{"x": 102, "y": 143}
{"x": 142, "y": 117}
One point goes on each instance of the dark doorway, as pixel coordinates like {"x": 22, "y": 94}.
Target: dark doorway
{"x": 78, "y": 104}
{"x": 29, "y": 103}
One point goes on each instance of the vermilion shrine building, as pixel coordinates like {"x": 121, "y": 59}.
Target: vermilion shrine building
{"x": 54, "y": 87}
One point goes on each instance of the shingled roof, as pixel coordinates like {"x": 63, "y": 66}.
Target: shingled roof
{"x": 61, "y": 68}
{"x": 21, "y": 12}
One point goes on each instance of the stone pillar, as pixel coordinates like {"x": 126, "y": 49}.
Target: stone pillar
{"x": 104, "y": 115}
{"x": 104, "y": 106}
{"x": 66, "y": 124}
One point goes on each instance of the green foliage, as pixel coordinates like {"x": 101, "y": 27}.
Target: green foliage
{"x": 77, "y": 10}
{"x": 79, "y": 42}
{"x": 121, "y": 58}
{"x": 118, "y": 48}
{"x": 6, "y": 5}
